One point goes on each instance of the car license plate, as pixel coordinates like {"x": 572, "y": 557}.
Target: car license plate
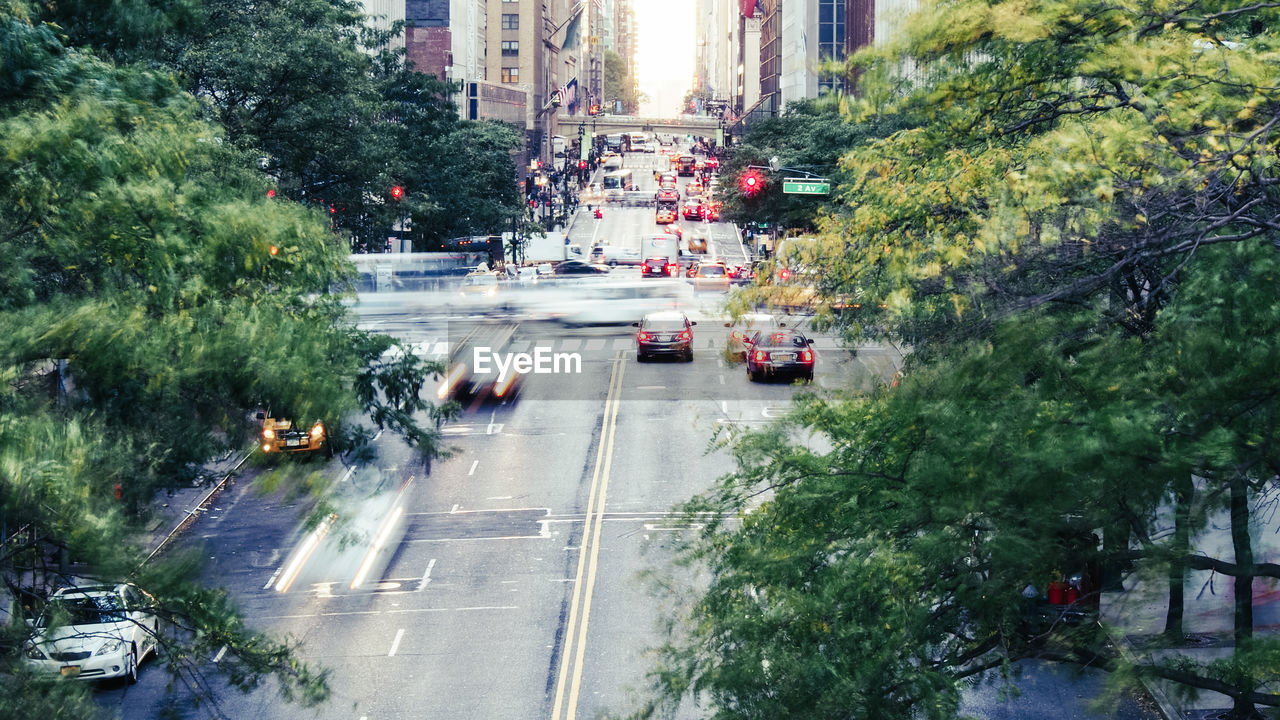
{"x": 784, "y": 357}
{"x": 70, "y": 670}
{"x": 291, "y": 443}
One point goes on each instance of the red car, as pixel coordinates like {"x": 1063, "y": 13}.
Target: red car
{"x": 692, "y": 211}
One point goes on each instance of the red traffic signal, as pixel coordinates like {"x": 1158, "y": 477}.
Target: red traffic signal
{"x": 582, "y": 164}
{"x": 397, "y": 192}
{"x": 752, "y": 183}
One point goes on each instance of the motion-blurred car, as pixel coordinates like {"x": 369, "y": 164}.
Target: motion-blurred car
{"x": 744, "y": 328}
{"x": 94, "y": 633}
{"x": 712, "y": 211}
{"x": 741, "y": 274}
{"x": 780, "y": 353}
{"x": 611, "y": 161}
{"x": 697, "y": 241}
{"x": 577, "y": 267}
{"x": 668, "y": 333}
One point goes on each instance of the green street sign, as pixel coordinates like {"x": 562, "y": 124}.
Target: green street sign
{"x": 798, "y": 186}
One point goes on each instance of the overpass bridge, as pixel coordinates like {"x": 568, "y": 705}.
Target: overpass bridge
{"x": 702, "y": 125}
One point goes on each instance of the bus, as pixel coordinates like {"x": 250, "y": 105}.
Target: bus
{"x": 617, "y": 183}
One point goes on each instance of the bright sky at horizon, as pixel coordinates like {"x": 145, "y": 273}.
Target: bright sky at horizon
{"x": 664, "y": 53}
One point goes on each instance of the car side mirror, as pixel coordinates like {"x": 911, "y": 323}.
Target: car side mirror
{"x": 782, "y": 324}
{"x": 260, "y": 415}
{"x": 808, "y": 341}
{"x": 728, "y": 325}
{"x": 693, "y": 322}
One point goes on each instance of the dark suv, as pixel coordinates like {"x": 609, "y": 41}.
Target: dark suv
{"x": 658, "y": 266}
{"x": 668, "y": 333}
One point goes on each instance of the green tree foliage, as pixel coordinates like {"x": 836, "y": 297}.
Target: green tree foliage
{"x": 150, "y": 298}
{"x": 810, "y": 136}
{"x": 620, "y": 83}
{"x": 332, "y": 113}
{"x": 1069, "y": 211}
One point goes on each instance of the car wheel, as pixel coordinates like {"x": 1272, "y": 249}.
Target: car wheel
{"x": 131, "y": 666}
{"x": 752, "y": 375}
{"x": 688, "y": 356}
{"x": 613, "y": 263}
{"x": 640, "y": 357}
{"x": 809, "y": 377}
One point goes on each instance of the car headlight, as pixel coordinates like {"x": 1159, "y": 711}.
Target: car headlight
{"x": 34, "y": 652}
{"x": 268, "y": 434}
{"x": 108, "y": 647}
{"x": 317, "y": 430}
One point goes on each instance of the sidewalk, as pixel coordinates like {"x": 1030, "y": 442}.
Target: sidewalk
{"x": 1138, "y": 615}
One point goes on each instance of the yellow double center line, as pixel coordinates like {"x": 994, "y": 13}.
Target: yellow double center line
{"x": 575, "y": 642}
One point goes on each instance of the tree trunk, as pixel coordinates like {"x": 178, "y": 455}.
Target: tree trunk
{"x": 1243, "y": 585}
{"x": 1184, "y": 492}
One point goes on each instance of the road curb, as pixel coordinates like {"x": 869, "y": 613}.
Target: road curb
{"x": 200, "y": 506}
{"x": 1167, "y": 709}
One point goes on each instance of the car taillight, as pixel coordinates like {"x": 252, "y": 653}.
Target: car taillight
{"x": 684, "y": 335}
{"x": 761, "y": 356}
{"x": 645, "y": 336}
{"x": 673, "y": 269}
{"x": 644, "y": 267}
{"x": 806, "y": 356}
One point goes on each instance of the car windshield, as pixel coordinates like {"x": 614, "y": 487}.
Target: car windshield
{"x": 82, "y": 610}
{"x": 664, "y": 324}
{"x": 711, "y": 271}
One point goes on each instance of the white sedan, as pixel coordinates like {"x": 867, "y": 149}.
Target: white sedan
{"x": 94, "y": 633}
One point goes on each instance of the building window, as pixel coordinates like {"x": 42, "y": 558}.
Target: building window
{"x": 510, "y": 75}
{"x": 831, "y": 42}
{"x": 510, "y": 47}
{"x": 510, "y": 22}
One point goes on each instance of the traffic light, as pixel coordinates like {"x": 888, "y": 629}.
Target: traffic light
{"x": 595, "y": 110}
{"x": 751, "y": 183}
{"x": 582, "y": 164}
{"x": 397, "y": 192}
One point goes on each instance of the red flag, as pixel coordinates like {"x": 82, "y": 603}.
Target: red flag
{"x": 748, "y": 8}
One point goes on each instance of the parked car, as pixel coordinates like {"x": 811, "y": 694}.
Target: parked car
{"x": 94, "y": 633}
{"x": 667, "y": 333}
{"x": 780, "y": 353}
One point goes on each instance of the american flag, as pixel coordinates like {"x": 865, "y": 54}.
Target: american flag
{"x": 599, "y": 4}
